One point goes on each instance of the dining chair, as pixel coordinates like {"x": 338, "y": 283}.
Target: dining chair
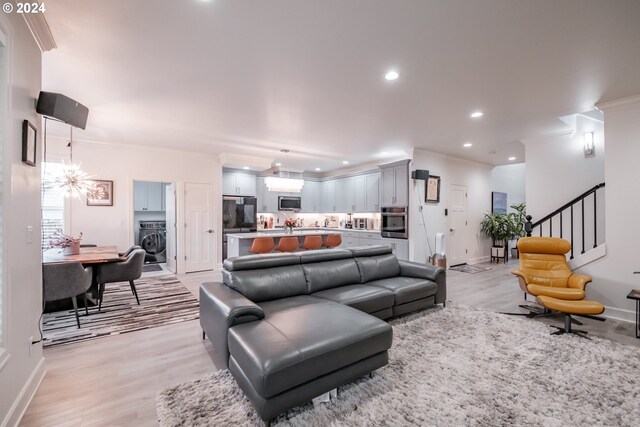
{"x": 126, "y": 253}
{"x": 66, "y": 280}
{"x": 128, "y": 270}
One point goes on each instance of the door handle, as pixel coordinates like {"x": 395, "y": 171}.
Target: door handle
{"x": 452, "y": 229}
{"x": 210, "y": 231}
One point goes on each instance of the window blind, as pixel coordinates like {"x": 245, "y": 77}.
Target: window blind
{"x": 53, "y": 203}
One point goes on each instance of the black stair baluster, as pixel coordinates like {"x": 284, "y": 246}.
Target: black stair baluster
{"x": 551, "y": 227}
{"x": 571, "y": 232}
{"x": 595, "y": 221}
{"x": 582, "y": 226}
{"x": 561, "y": 224}
{"x": 540, "y": 230}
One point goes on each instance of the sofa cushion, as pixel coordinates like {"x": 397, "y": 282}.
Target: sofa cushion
{"x": 363, "y": 251}
{"x": 267, "y": 283}
{"x": 330, "y": 274}
{"x": 362, "y": 297}
{"x": 378, "y": 267}
{"x": 302, "y": 338}
{"x": 252, "y": 262}
{"x": 407, "y": 289}
{"x": 321, "y": 255}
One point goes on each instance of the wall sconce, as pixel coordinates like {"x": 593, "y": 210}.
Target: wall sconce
{"x": 589, "y": 147}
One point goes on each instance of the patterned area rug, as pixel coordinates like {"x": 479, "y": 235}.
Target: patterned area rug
{"x": 471, "y": 269}
{"x": 452, "y": 367}
{"x": 163, "y": 301}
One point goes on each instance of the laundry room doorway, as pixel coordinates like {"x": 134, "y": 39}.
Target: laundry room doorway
{"x": 154, "y": 223}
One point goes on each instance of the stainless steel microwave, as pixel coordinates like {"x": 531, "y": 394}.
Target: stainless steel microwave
{"x": 289, "y": 203}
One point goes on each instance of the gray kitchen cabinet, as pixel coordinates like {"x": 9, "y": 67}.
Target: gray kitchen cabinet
{"x": 340, "y": 195}
{"x": 148, "y": 196}
{"x": 350, "y": 239}
{"x": 400, "y": 247}
{"x": 260, "y": 189}
{"x": 329, "y": 196}
{"x": 310, "y": 196}
{"x": 238, "y": 184}
{"x": 372, "y": 190}
{"x": 355, "y": 194}
{"x": 394, "y": 184}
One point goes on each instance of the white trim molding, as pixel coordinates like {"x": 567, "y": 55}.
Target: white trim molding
{"x": 588, "y": 257}
{"x": 40, "y": 30}
{"x": 617, "y": 104}
{"x": 21, "y": 404}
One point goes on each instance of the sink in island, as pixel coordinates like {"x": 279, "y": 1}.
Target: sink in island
{"x": 239, "y": 244}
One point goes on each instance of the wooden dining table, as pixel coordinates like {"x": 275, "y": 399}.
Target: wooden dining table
{"x": 88, "y": 257}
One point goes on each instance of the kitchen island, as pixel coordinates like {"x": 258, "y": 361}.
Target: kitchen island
{"x": 239, "y": 244}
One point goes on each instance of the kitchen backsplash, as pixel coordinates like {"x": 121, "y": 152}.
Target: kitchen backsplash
{"x": 312, "y": 220}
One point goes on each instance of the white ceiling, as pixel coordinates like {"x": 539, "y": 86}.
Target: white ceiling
{"x": 252, "y": 77}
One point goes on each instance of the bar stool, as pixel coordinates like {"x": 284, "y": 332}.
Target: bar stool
{"x": 288, "y": 244}
{"x": 262, "y": 245}
{"x": 333, "y": 240}
{"x": 312, "y": 242}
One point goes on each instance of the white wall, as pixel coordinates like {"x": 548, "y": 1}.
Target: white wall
{"x": 510, "y": 179}
{"x": 557, "y": 170}
{"x": 476, "y": 177}
{"x": 613, "y": 276}
{"x": 113, "y": 225}
{"x": 21, "y": 365}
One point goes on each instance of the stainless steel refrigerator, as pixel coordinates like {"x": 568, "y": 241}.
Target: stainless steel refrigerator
{"x": 239, "y": 215}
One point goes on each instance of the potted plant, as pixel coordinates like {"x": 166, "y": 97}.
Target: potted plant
{"x": 70, "y": 245}
{"x": 288, "y": 226}
{"x": 499, "y": 228}
{"x": 518, "y": 220}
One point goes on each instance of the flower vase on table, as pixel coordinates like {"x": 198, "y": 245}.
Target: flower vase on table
{"x": 70, "y": 245}
{"x": 288, "y": 226}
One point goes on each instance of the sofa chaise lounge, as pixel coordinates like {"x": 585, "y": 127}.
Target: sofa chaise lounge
{"x": 294, "y": 326}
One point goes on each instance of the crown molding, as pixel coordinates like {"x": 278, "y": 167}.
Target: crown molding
{"x": 618, "y": 104}
{"x": 568, "y": 132}
{"x": 40, "y": 30}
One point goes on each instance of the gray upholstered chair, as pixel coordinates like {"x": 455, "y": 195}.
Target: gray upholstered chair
{"x": 66, "y": 280}
{"x": 127, "y": 270}
{"x": 126, "y": 253}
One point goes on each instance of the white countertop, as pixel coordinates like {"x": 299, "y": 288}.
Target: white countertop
{"x": 306, "y": 231}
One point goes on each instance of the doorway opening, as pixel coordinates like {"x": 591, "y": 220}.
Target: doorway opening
{"x": 154, "y": 215}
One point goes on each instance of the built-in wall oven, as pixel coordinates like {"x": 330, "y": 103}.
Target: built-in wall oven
{"x": 395, "y": 222}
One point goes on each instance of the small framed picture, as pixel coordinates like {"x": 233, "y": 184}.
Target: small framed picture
{"x": 29, "y": 135}
{"x": 432, "y": 189}
{"x": 102, "y": 195}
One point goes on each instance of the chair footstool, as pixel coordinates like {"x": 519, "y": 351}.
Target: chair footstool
{"x": 582, "y": 308}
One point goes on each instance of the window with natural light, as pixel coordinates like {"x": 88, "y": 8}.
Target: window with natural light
{"x": 53, "y": 203}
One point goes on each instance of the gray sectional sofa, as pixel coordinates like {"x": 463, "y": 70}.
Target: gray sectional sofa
{"x": 293, "y": 326}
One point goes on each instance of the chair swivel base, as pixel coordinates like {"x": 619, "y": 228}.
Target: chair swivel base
{"x": 568, "y": 330}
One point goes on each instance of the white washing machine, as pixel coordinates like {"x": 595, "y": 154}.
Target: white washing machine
{"x": 152, "y": 237}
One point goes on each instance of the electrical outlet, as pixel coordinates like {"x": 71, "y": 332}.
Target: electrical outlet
{"x": 29, "y": 234}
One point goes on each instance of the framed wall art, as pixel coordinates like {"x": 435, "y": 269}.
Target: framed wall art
{"x": 29, "y": 135}
{"x": 432, "y": 189}
{"x": 102, "y": 195}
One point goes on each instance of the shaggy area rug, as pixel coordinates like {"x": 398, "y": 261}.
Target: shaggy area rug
{"x": 163, "y": 301}
{"x": 452, "y": 367}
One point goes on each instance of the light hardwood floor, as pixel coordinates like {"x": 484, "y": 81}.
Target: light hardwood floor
{"x": 113, "y": 381}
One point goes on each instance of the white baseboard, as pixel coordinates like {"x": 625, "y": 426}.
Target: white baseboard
{"x": 587, "y": 257}
{"x": 619, "y": 314}
{"x": 21, "y": 404}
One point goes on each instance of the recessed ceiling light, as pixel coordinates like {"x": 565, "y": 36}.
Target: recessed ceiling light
{"x": 317, "y": 169}
{"x": 476, "y": 114}
{"x": 384, "y": 153}
{"x": 511, "y": 159}
{"x": 345, "y": 162}
{"x": 467, "y": 144}
{"x": 391, "y": 75}
{"x": 278, "y": 164}
{"x": 246, "y": 168}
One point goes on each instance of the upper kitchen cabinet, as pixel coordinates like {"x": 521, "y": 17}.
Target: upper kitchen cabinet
{"x": 267, "y": 200}
{"x": 148, "y": 196}
{"x": 238, "y": 184}
{"x": 311, "y": 197}
{"x": 372, "y": 187}
{"x": 395, "y": 183}
{"x": 356, "y": 194}
{"x": 329, "y": 196}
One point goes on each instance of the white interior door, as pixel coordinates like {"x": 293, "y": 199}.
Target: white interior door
{"x": 199, "y": 237}
{"x": 457, "y": 245}
{"x": 170, "y": 203}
